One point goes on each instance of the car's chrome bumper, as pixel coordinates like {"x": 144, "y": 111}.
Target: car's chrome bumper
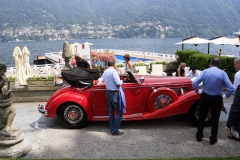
{"x": 41, "y": 109}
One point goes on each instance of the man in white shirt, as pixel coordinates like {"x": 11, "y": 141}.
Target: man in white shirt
{"x": 193, "y": 73}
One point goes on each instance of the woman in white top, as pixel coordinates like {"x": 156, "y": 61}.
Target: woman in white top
{"x": 128, "y": 63}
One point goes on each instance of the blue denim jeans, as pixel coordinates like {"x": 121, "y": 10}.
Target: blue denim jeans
{"x": 112, "y": 101}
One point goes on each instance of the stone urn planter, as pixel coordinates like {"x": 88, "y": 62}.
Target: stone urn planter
{"x": 157, "y": 69}
{"x": 12, "y": 82}
{"x": 41, "y": 81}
{"x": 142, "y": 67}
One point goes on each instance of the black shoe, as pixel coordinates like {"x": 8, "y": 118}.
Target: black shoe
{"x": 233, "y": 137}
{"x": 117, "y": 133}
{"x": 199, "y": 139}
{"x": 212, "y": 142}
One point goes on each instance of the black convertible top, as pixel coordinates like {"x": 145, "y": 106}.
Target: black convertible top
{"x": 80, "y": 77}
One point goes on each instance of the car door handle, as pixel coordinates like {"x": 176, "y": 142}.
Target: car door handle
{"x": 138, "y": 91}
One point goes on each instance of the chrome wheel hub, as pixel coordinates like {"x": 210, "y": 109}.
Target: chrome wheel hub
{"x": 162, "y": 101}
{"x": 73, "y": 114}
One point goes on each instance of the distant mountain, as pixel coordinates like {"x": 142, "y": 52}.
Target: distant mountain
{"x": 179, "y": 18}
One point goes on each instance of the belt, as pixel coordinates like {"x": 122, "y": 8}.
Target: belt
{"x": 112, "y": 90}
{"x": 211, "y": 95}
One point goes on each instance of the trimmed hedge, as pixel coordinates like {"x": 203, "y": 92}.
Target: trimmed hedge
{"x": 201, "y": 61}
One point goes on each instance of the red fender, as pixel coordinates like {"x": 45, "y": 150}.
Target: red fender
{"x": 182, "y": 105}
{"x": 159, "y": 91}
{"x": 65, "y": 97}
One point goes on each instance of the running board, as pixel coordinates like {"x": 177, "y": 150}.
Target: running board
{"x": 137, "y": 116}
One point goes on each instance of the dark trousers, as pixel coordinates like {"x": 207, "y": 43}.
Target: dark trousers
{"x": 234, "y": 114}
{"x": 215, "y": 104}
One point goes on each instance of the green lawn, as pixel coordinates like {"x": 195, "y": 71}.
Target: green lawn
{"x": 226, "y": 158}
{"x": 216, "y": 158}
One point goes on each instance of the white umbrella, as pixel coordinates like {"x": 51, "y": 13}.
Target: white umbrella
{"x": 234, "y": 41}
{"x": 237, "y": 32}
{"x": 26, "y": 55}
{"x": 193, "y": 40}
{"x": 220, "y": 40}
{"x": 21, "y": 76}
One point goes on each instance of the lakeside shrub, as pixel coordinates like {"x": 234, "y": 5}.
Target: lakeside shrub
{"x": 202, "y": 61}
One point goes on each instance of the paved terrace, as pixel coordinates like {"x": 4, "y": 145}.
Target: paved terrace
{"x": 173, "y": 137}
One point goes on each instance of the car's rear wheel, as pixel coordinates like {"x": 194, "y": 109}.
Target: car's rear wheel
{"x": 72, "y": 115}
{"x": 161, "y": 100}
{"x": 193, "y": 115}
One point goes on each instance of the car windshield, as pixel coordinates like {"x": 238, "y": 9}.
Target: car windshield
{"x": 131, "y": 76}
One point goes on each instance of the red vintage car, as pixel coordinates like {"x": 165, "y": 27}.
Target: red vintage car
{"x": 147, "y": 97}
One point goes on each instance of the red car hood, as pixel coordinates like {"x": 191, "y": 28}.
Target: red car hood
{"x": 166, "y": 80}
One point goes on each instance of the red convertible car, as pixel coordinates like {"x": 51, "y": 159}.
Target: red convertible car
{"x": 147, "y": 97}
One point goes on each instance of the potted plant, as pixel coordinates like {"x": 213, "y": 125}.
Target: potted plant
{"x": 11, "y": 80}
{"x": 142, "y": 67}
{"x": 157, "y": 67}
{"x": 121, "y": 68}
{"x": 41, "y": 80}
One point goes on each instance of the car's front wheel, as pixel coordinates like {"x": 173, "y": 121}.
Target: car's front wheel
{"x": 72, "y": 116}
{"x": 193, "y": 115}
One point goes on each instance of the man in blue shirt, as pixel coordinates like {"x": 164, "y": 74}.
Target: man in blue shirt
{"x": 213, "y": 80}
{"x": 112, "y": 83}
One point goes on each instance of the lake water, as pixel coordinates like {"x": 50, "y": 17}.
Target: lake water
{"x": 166, "y": 45}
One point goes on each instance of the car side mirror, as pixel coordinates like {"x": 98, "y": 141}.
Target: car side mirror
{"x": 136, "y": 70}
{"x": 141, "y": 79}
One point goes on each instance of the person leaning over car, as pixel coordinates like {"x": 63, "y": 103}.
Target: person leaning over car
{"x": 113, "y": 83}
{"x": 81, "y": 62}
{"x": 213, "y": 79}
{"x": 193, "y": 73}
{"x": 233, "y": 122}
